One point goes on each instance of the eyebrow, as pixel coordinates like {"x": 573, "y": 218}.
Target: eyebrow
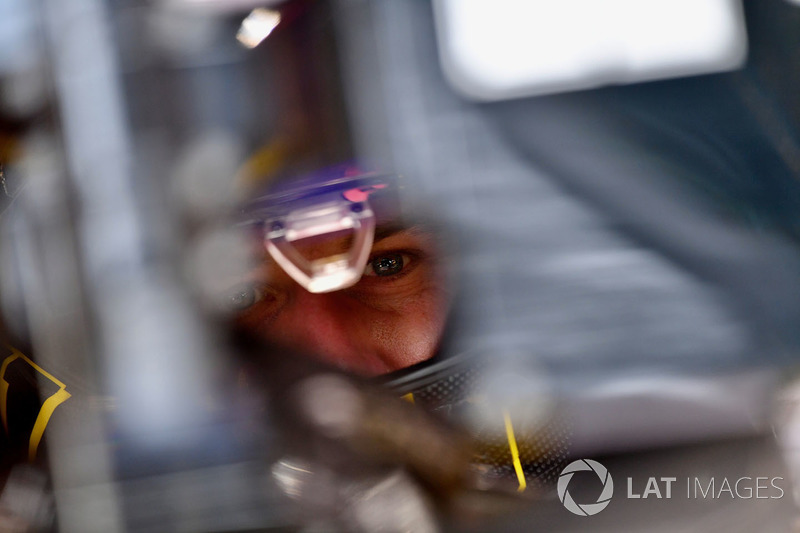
{"x": 388, "y": 230}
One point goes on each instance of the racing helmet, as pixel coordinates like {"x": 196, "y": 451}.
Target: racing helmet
{"x": 347, "y": 207}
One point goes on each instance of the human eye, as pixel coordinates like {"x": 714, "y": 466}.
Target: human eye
{"x": 387, "y": 264}
{"x": 245, "y": 296}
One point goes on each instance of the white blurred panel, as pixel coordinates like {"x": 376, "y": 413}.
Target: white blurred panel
{"x": 219, "y": 6}
{"x": 498, "y": 49}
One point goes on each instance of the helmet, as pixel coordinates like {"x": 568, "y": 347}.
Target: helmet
{"x": 320, "y": 229}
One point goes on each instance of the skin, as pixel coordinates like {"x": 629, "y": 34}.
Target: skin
{"x": 379, "y": 325}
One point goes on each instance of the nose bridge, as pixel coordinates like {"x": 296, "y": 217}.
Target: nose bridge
{"x": 321, "y": 323}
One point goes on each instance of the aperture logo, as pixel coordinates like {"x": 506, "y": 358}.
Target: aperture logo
{"x": 585, "y": 509}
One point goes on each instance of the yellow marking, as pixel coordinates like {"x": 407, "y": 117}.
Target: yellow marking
{"x": 4, "y": 386}
{"x": 409, "y": 397}
{"x": 512, "y": 444}
{"x": 48, "y": 406}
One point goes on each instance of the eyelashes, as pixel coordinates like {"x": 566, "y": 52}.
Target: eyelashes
{"x": 382, "y": 267}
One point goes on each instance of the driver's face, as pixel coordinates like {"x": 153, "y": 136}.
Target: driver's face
{"x": 392, "y": 318}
